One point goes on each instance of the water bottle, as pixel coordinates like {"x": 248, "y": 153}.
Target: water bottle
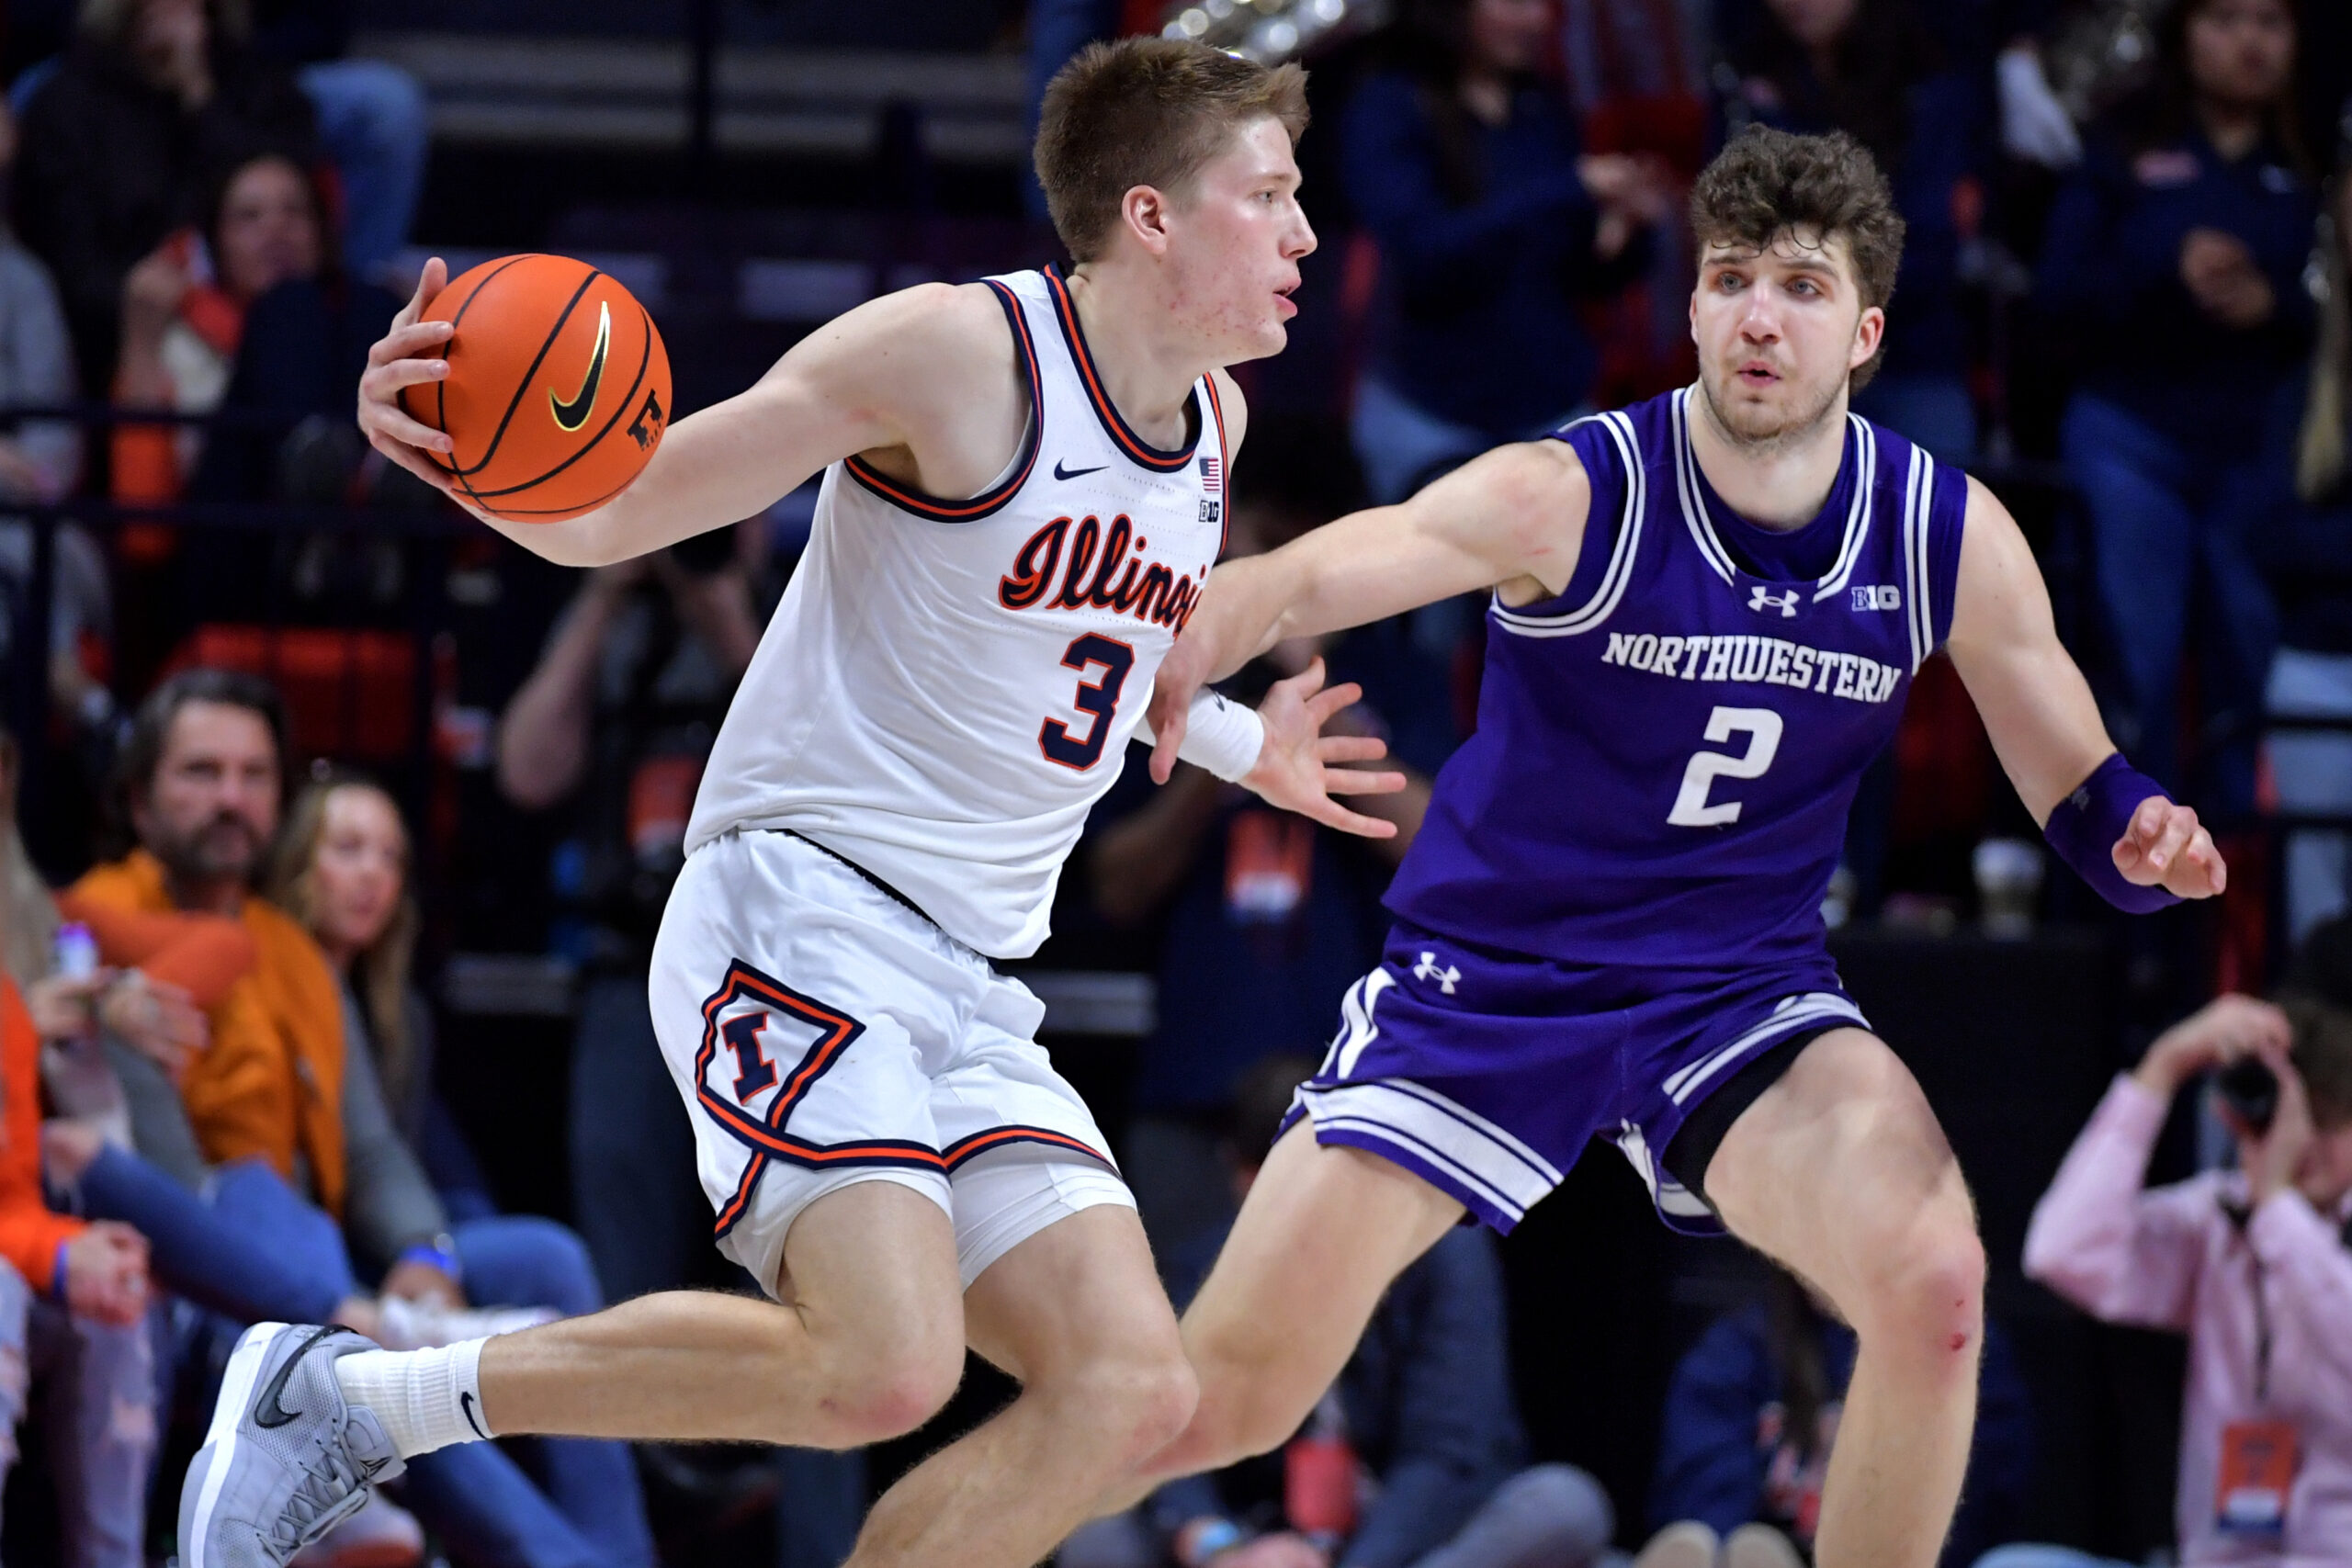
{"x": 1319, "y": 1478}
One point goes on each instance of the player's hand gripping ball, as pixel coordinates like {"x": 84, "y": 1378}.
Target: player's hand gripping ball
{"x": 558, "y": 391}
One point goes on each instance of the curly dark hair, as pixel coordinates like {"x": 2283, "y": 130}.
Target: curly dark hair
{"x": 1146, "y": 111}
{"x": 1767, "y": 182}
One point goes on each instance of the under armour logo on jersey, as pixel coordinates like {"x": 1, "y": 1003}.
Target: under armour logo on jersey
{"x": 1763, "y": 598}
{"x": 1430, "y": 969}
{"x": 1878, "y": 596}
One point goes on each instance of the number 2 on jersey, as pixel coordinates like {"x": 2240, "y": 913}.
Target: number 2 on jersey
{"x": 1097, "y": 699}
{"x": 1762, "y": 727}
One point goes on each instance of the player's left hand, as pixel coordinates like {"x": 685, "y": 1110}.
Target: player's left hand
{"x": 1295, "y": 768}
{"x": 2166, "y": 847}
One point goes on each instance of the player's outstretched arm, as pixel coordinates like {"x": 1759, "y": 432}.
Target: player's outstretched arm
{"x": 1513, "y": 515}
{"x": 926, "y": 378}
{"x": 2045, "y": 726}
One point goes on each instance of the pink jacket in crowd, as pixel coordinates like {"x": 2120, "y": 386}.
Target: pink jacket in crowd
{"x": 2174, "y": 1258}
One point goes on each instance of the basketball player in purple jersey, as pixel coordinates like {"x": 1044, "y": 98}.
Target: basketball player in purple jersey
{"x": 1707, "y": 610}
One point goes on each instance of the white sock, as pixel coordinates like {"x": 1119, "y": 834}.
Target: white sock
{"x": 427, "y": 1399}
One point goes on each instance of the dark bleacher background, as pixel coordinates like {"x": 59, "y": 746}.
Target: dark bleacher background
{"x": 853, "y": 148}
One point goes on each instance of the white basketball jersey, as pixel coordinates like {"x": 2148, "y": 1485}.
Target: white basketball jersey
{"x": 949, "y": 686}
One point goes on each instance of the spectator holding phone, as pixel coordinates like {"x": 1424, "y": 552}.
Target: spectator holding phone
{"x": 72, "y": 1317}
{"x": 2251, "y": 1264}
{"x": 153, "y": 99}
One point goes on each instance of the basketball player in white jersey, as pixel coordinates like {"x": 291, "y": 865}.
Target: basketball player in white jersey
{"x": 1024, "y": 492}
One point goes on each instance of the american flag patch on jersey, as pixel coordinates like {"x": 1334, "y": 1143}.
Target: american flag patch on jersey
{"x": 1209, "y": 470}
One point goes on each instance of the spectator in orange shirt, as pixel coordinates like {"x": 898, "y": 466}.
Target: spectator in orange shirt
{"x": 201, "y": 767}
{"x": 282, "y": 1099}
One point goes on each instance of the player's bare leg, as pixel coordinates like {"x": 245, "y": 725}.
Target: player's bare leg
{"x": 864, "y": 1350}
{"x": 868, "y": 1344}
{"x": 1077, "y": 1315}
{"x": 1841, "y": 1171}
{"x": 1322, "y": 1234}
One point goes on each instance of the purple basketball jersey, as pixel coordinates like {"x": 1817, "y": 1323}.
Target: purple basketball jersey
{"x": 1614, "y": 903}
{"x": 1666, "y": 754}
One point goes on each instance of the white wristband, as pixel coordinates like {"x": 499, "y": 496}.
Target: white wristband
{"x": 1221, "y": 737}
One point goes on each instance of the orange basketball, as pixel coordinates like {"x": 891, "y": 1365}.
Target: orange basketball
{"x": 558, "y": 391}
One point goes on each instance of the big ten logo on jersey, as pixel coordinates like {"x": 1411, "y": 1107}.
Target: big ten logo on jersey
{"x": 1878, "y": 596}
{"x": 1098, "y": 568}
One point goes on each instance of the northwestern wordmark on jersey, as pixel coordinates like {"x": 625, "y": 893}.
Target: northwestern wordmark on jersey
{"x": 1755, "y": 661}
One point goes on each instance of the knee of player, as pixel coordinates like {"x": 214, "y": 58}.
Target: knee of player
{"x": 1927, "y": 1293}
{"x": 1159, "y": 1394}
{"x": 1137, "y": 1399}
{"x": 898, "y": 1392}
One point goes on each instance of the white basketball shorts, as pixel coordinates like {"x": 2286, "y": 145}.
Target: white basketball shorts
{"x": 823, "y": 1033}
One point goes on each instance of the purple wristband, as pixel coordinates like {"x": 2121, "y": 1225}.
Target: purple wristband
{"x": 2085, "y": 825}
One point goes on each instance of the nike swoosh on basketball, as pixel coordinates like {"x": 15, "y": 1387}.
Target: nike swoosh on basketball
{"x": 1062, "y": 473}
{"x": 573, "y": 414}
{"x": 268, "y": 1412}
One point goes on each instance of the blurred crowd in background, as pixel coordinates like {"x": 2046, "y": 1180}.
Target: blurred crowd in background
{"x": 337, "y": 830}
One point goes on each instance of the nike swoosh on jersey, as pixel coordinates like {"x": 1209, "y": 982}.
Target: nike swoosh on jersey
{"x": 1062, "y": 473}
{"x": 573, "y": 414}
{"x": 268, "y": 1411}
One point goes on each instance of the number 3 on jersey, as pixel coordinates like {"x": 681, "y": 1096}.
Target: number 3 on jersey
{"x": 1097, "y": 699}
{"x": 1762, "y": 727}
